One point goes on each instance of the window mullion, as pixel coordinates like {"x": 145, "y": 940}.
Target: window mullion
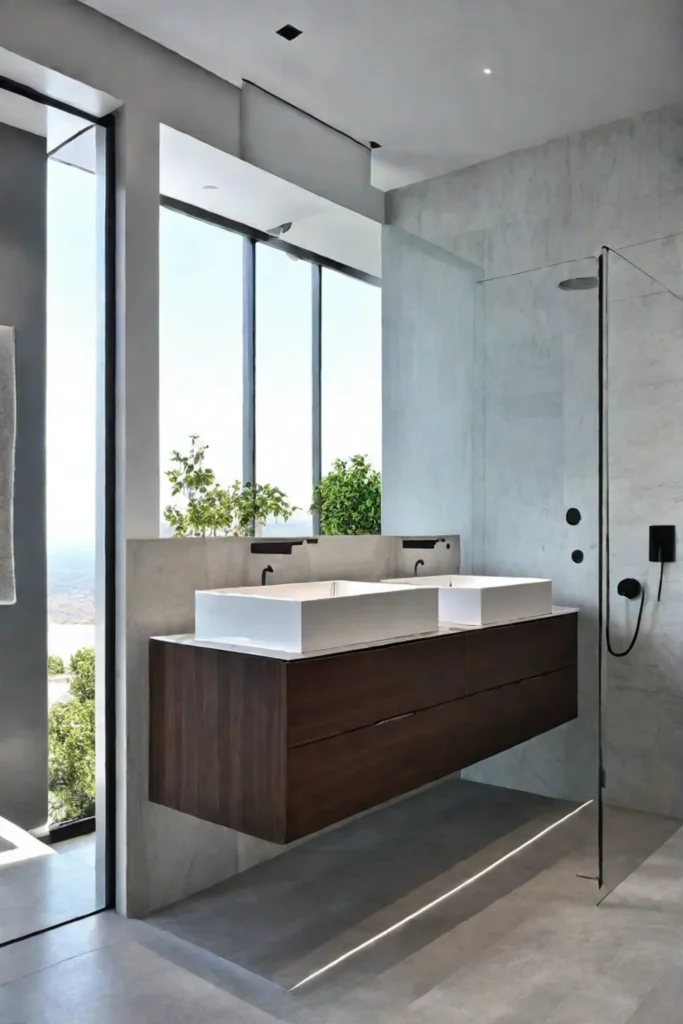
{"x": 316, "y": 368}
{"x": 249, "y": 365}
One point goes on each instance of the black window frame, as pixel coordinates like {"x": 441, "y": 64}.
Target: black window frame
{"x": 105, "y": 126}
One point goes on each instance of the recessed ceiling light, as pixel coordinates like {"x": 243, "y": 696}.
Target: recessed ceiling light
{"x": 289, "y": 32}
{"x": 488, "y": 71}
{"x": 210, "y": 188}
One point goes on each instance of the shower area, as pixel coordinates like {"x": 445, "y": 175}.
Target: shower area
{"x": 546, "y": 432}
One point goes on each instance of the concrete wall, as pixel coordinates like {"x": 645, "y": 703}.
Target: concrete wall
{"x": 535, "y": 370}
{"x": 23, "y": 626}
{"x": 538, "y": 443}
{"x": 644, "y": 692}
{"x": 171, "y": 855}
{"x": 428, "y": 403}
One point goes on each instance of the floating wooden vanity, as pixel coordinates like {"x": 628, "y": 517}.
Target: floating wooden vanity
{"x": 280, "y": 747}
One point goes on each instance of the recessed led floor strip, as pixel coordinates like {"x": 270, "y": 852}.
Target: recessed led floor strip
{"x": 440, "y": 899}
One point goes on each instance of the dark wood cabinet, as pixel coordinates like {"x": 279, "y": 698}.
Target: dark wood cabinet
{"x": 327, "y": 696}
{"x": 281, "y": 749}
{"x": 335, "y": 778}
{"x": 520, "y": 650}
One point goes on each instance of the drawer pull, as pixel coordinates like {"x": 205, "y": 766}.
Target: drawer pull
{"x": 396, "y": 718}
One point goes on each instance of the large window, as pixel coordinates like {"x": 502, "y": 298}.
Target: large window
{"x": 200, "y": 351}
{"x": 79, "y": 516}
{"x": 277, "y": 389}
{"x": 351, "y": 370}
{"x": 284, "y": 382}
{"x": 72, "y": 309}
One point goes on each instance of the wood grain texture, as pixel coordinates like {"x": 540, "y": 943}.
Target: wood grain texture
{"x": 341, "y": 776}
{"x": 521, "y": 650}
{"x": 217, "y": 729}
{"x": 502, "y": 718}
{"x": 333, "y": 695}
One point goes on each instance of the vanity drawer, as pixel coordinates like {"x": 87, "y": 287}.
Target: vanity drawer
{"x": 522, "y": 650}
{"x": 500, "y": 719}
{"x": 338, "y": 777}
{"x": 332, "y": 695}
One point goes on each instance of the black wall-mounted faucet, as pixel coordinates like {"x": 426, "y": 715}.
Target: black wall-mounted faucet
{"x": 264, "y": 574}
{"x": 424, "y": 543}
{"x": 420, "y": 561}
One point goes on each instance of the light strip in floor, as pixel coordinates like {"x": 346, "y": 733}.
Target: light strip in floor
{"x": 440, "y": 899}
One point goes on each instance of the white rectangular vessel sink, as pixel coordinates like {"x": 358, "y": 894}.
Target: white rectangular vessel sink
{"x": 301, "y": 617}
{"x": 486, "y": 600}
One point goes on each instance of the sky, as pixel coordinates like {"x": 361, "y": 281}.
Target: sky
{"x": 201, "y": 358}
{"x": 71, "y": 354}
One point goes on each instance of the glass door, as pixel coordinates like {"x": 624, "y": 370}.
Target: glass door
{"x": 56, "y": 624}
{"x": 536, "y": 513}
{"x": 641, "y": 734}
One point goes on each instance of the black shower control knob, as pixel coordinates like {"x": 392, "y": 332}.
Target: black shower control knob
{"x": 629, "y": 588}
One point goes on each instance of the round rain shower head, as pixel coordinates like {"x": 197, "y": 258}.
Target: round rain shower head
{"x": 578, "y": 284}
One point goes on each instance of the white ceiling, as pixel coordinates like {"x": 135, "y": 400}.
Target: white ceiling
{"x": 408, "y": 73}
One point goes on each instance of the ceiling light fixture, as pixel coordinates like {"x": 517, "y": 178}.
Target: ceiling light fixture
{"x": 488, "y": 71}
{"x": 288, "y": 32}
{"x": 210, "y": 188}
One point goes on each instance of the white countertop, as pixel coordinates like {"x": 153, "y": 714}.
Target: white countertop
{"x": 189, "y": 640}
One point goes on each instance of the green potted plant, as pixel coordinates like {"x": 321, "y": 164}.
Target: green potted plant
{"x": 348, "y": 499}
{"x": 209, "y": 510}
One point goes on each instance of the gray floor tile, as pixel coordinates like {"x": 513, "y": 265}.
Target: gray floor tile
{"x": 43, "y": 891}
{"x": 523, "y": 945}
{"x": 286, "y": 918}
{"x": 663, "y": 1004}
{"x": 122, "y": 984}
{"x": 630, "y": 839}
{"x": 50, "y": 948}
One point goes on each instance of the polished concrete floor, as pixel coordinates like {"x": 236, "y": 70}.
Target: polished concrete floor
{"x": 290, "y": 916}
{"x": 42, "y": 885}
{"x": 523, "y": 944}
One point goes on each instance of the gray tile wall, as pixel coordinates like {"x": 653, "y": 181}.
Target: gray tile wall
{"x": 534, "y": 425}
{"x": 617, "y": 185}
{"x": 539, "y": 456}
{"x": 644, "y": 693}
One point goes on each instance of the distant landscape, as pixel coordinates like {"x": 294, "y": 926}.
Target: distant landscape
{"x": 71, "y": 574}
{"x": 71, "y": 583}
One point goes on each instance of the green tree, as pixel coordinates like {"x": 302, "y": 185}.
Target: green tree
{"x": 209, "y": 510}
{"x": 349, "y": 498}
{"x": 55, "y": 665}
{"x": 254, "y": 503}
{"x": 71, "y": 737}
{"x": 82, "y": 669}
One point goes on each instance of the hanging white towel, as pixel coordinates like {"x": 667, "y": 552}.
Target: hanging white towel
{"x": 8, "y": 426}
